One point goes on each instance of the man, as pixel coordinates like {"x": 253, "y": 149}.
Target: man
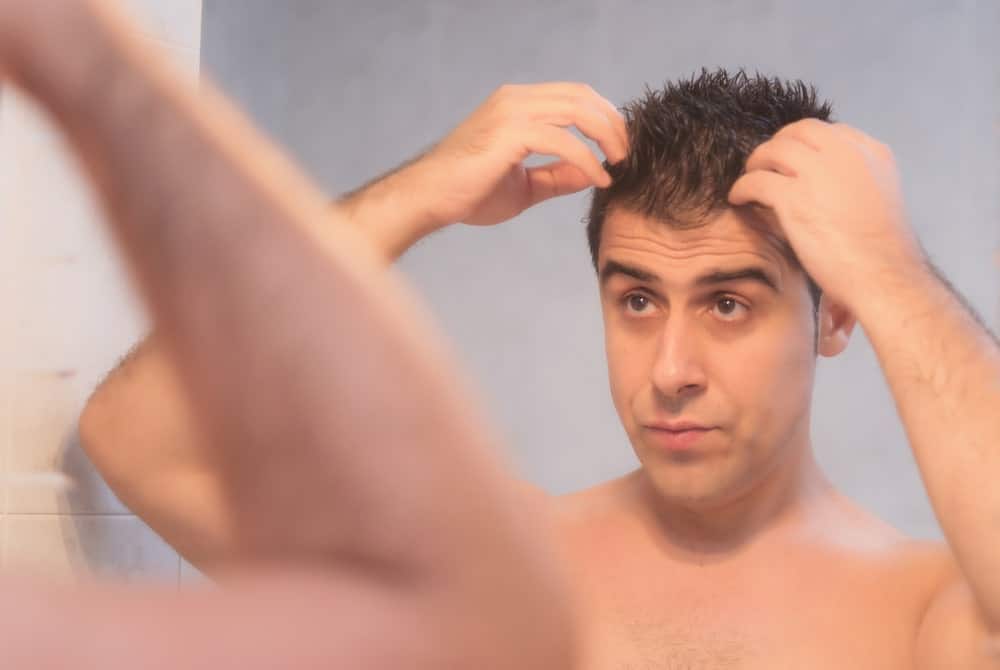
{"x": 738, "y": 236}
{"x": 225, "y": 240}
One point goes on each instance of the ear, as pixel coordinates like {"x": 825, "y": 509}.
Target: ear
{"x": 835, "y": 324}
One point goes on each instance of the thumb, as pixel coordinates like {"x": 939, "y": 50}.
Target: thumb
{"x": 555, "y": 179}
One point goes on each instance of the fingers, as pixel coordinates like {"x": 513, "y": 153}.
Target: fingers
{"x": 591, "y": 122}
{"x": 784, "y": 155}
{"x": 763, "y": 187}
{"x": 554, "y": 141}
{"x": 555, "y": 179}
{"x": 811, "y": 132}
{"x": 565, "y": 104}
{"x": 586, "y": 94}
{"x": 821, "y": 136}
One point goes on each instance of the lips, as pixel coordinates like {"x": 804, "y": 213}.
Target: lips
{"x": 677, "y": 426}
{"x": 676, "y": 435}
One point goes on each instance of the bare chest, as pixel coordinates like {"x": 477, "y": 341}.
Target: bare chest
{"x": 791, "y": 618}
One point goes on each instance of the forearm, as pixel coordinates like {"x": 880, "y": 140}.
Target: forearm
{"x": 302, "y": 313}
{"x": 392, "y": 209}
{"x": 944, "y": 371}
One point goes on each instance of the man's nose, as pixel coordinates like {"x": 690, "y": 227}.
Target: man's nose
{"x": 677, "y": 372}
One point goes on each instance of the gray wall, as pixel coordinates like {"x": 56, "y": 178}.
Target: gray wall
{"x": 351, "y": 89}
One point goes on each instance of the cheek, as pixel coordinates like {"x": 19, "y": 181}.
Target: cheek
{"x": 778, "y": 366}
{"x": 628, "y": 369}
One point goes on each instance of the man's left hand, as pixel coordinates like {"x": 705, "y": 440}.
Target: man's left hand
{"x": 836, "y": 195}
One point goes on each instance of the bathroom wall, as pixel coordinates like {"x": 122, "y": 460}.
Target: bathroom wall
{"x": 68, "y": 316}
{"x": 354, "y": 88}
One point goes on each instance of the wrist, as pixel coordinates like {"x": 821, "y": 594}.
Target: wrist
{"x": 394, "y": 211}
{"x": 909, "y": 292}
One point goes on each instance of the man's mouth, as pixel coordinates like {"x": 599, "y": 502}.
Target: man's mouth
{"x": 676, "y": 435}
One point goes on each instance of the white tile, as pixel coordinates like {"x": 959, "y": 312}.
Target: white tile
{"x": 81, "y": 315}
{"x": 59, "y": 269}
{"x": 50, "y": 304}
{"x": 70, "y": 547}
{"x": 43, "y": 411}
{"x": 43, "y": 439}
{"x": 176, "y": 22}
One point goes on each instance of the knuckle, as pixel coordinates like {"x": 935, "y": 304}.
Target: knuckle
{"x": 786, "y": 130}
{"x": 505, "y": 111}
{"x": 503, "y": 93}
{"x": 760, "y": 150}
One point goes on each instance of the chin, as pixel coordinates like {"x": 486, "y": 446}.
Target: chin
{"x": 695, "y": 486}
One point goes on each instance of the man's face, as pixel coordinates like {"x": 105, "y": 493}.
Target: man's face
{"x": 712, "y": 328}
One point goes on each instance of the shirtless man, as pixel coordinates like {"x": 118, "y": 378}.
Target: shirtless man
{"x": 728, "y": 548}
{"x": 229, "y": 246}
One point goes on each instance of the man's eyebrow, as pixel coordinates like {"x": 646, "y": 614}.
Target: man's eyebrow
{"x": 612, "y": 268}
{"x": 756, "y": 274}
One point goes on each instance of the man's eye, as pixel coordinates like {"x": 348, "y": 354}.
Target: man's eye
{"x": 637, "y": 303}
{"x": 730, "y": 309}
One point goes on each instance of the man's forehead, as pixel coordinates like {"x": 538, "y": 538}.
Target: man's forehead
{"x": 732, "y": 237}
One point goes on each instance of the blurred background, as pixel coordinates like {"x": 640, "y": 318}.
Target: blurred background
{"x": 352, "y": 89}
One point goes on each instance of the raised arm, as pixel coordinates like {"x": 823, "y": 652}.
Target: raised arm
{"x": 348, "y": 445}
{"x": 138, "y": 427}
{"x": 836, "y": 194}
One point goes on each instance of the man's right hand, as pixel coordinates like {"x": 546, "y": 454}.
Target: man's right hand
{"x": 479, "y": 167}
{"x": 476, "y": 175}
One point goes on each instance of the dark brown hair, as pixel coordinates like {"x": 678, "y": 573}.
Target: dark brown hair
{"x": 689, "y": 142}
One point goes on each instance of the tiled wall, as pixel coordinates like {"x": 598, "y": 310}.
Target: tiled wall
{"x": 68, "y": 316}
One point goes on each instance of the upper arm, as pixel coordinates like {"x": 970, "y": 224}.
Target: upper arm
{"x": 953, "y": 632}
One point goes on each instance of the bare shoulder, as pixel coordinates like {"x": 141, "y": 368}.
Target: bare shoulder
{"x": 854, "y": 529}
{"x": 592, "y": 504}
{"x": 917, "y": 566}
{"x": 589, "y": 522}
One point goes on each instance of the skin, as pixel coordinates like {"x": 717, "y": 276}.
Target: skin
{"x": 737, "y": 552}
{"x": 713, "y": 556}
{"x": 217, "y": 228}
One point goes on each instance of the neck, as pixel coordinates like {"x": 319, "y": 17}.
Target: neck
{"x": 781, "y": 499}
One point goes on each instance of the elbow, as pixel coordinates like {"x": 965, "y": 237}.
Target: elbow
{"x": 89, "y": 425}
{"x": 93, "y": 429}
